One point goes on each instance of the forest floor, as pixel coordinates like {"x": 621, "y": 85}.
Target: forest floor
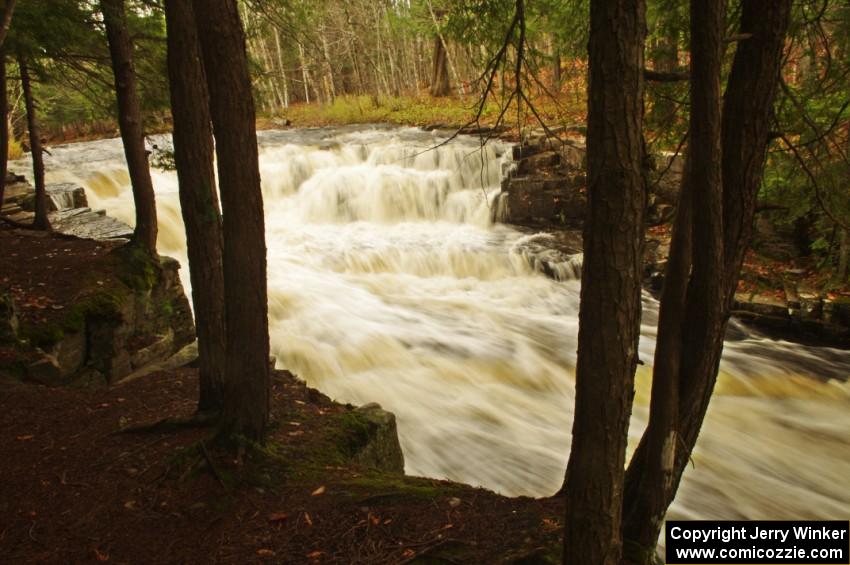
{"x": 76, "y": 489}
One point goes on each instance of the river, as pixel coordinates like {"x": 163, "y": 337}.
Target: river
{"x": 389, "y": 283}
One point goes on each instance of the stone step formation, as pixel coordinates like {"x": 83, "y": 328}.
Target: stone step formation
{"x": 68, "y": 208}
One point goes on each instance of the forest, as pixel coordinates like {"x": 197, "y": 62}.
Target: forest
{"x": 419, "y": 281}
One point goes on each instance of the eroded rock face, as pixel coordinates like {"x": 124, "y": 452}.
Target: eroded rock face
{"x": 549, "y": 184}
{"x": 375, "y": 441}
{"x": 120, "y": 330}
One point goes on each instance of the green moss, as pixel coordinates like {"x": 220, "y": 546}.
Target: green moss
{"x": 350, "y": 432}
{"x": 166, "y": 307}
{"x": 103, "y": 305}
{"x": 135, "y": 267}
{"x": 378, "y": 486}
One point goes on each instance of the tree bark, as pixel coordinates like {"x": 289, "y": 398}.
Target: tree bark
{"x": 4, "y": 127}
{"x": 720, "y": 236}
{"x": 8, "y": 10}
{"x": 41, "y": 221}
{"x": 644, "y": 493}
{"x": 440, "y": 72}
{"x": 193, "y": 155}
{"x": 609, "y": 315}
{"x": 222, "y": 40}
{"x": 130, "y": 123}
{"x": 693, "y": 297}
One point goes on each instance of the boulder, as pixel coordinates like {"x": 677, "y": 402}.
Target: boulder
{"x": 373, "y": 439}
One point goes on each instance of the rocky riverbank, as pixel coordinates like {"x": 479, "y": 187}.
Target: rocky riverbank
{"x": 779, "y": 296}
{"x": 78, "y": 306}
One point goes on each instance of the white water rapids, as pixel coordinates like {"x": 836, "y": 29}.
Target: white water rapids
{"x": 388, "y": 282}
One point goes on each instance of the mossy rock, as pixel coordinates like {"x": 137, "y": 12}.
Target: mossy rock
{"x": 368, "y": 435}
{"x": 135, "y": 267}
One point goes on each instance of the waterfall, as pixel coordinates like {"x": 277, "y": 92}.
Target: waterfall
{"x": 389, "y": 282}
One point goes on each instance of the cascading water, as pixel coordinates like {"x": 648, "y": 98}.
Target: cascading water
{"x": 389, "y": 282}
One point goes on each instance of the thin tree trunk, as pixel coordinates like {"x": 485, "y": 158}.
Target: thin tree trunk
{"x": 4, "y": 127}
{"x": 662, "y": 112}
{"x": 328, "y": 69}
{"x": 222, "y": 39}
{"x": 282, "y": 68}
{"x": 8, "y": 10}
{"x": 609, "y": 315}
{"x": 41, "y": 220}
{"x": 440, "y": 72}
{"x": 130, "y": 123}
{"x": 843, "y": 253}
{"x": 304, "y": 74}
{"x": 6, "y": 22}
{"x": 193, "y": 155}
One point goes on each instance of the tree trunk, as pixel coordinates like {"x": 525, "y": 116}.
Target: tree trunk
{"x": 696, "y": 301}
{"x": 8, "y": 10}
{"x": 130, "y": 123}
{"x": 662, "y": 112}
{"x": 440, "y": 72}
{"x": 4, "y": 127}
{"x": 556, "y": 63}
{"x": 304, "y": 75}
{"x": 41, "y": 221}
{"x": 193, "y": 155}
{"x": 609, "y": 316}
{"x": 644, "y": 493}
{"x": 281, "y": 68}
{"x": 744, "y": 132}
{"x": 222, "y": 40}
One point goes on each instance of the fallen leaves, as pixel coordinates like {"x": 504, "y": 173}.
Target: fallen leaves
{"x": 318, "y": 491}
{"x": 277, "y": 517}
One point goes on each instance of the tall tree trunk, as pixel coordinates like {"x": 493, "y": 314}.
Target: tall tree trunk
{"x": 8, "y": 10}
{"x": 440, "y": 70}
{"x": 222, "y": 39}
{"x": 609, "y": 316}
{"x": 304, "y": 74}
{"x": 744, "y": 133}
{"x": 193, "y": 155}
{"x": 41, "y": 221}
{"x": 282, "y": 68}
{"x": 696, "y": 299}
{"x": 130, "y": 123}
{"x": 4, "y": 127}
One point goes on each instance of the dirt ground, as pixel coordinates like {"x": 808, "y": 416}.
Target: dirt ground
{"x": 75, "y": 489}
